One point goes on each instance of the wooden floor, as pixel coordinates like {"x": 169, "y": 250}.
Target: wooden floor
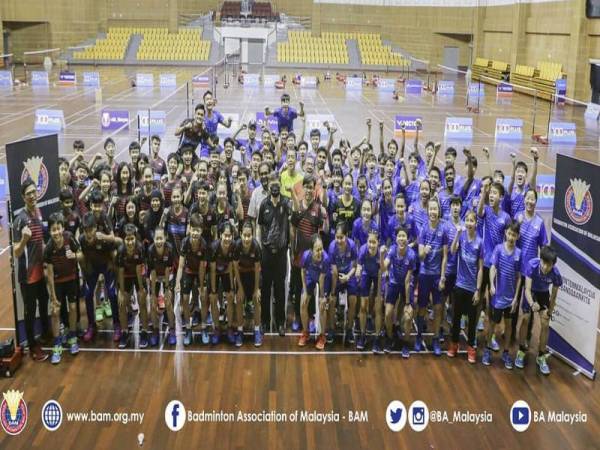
{"x": 278, "y": 376}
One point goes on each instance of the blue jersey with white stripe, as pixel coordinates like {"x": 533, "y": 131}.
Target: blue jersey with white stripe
{"x": 469, "y": 253}
{"x": 437, "y": 239}
{"x": 394, "y": 225}
{"x": 419, "y": 215}
{"x": 494, "y": 226}
{"x": 369, "y": 263}
{"x": 314, "y": 269}
{"x": 400, "y": 264}
{"x": 540, "y": 282}
{"x": 452, "y": 261}
{"x": 508, "y": 266}
{"x": 360, "y": 234}
{"x": 532, "y": 238}
{"x": 343, "y": 260}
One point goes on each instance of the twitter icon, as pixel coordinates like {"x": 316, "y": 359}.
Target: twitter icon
{"x": 395, "y": 415}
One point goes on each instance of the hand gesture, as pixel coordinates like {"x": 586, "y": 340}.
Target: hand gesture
{"x": 486, "y": 152}
{"x": 419, "y": 124}
{"x": 492, "y": 290}
{"x": 442, "y": 284}
{"x": 369, "y": 122}
{"x": 25, "y": 233}
{"x": 381, "y": 126}
{"x": 476, "y": 297}
{"x": 437, "y": 146}
{"x": 534, "y": 153}
{"x": 69, "y": 253}
{"x": 467, "y": 152}
{"x": 427, "y": 249}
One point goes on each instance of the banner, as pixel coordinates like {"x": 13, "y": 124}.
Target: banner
{"x": 509, "y": 129}
{"x": 316, "y": 121}
{"x": 156, "y": 125}
{"x": 270, "y": 80}
{"x": 168, "y": 80}
{"x": 413, "y": 87}
{"x": 560, "y": 90}
{"x": 200, "y": 81}
{"x": 562, "y": 133}
{"x": 251, "y": 80}
{"x": 270, "y": 122}
{"x": 37, "y": 159}
{"x": 144, "y": 80}
{"x": 354, "y": 84}
{"x": 91, "y": 79}
{"x": 575, "y": 236}
{"x": 66, "y": 78}
{"x": 39, "y": 78}
{"x": 504, "y": 90}
{"x": 445, "y": 87}
{"x": 545, "y": 187}
{"x": 386, "y": 84}
{"x": 49, "y": 120}
{"x": 410, "y": 125}
{"x": 113, "y": 119}
{"x": 460, "y": 128}
{"x": 6, "y": 79}
{"x": 592, "y": 112}
{"x": 308, "y": 82}
{"x": 476, "y": 90}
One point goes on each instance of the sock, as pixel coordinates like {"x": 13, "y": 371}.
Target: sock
{"x": 256, "y": 327}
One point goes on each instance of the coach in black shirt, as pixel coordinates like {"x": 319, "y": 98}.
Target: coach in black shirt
{"x": 274, "y": 230}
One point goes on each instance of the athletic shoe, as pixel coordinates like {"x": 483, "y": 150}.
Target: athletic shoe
{"x": 37, "y": 354}
{"x": 107, "y": 309}
{"x": 303, "y": 339}
{"x": 388, "y": 344}
{"x": 154, "y": 340}
{"x": 124, "y": 341}
{"x": 239, "y": 338}
{"x": 330, "y": 337}
{"x": 487, "y": 357}
{"x": 195, "y": 319}
{"x": 360, "y": 342}
{"x": 463, "y": 323}
{"x": 494, "y": 344}
{"x": 437, "y": 349}
{"x": 187, "y": 337}
{"x": 320, "y": 345}
{"x": 231, "y": 336}
{"x": 56, "y": 354}
{"x": 116, "y": 334}
{"x": 471, "y": 354}
{"x": 172, "y": 338}
{"x": 258, "y": 338}
{"x": 481, "y": 323}
{"x": 543, "y": 364}
{"x": 377, "y": 346}
{"x": 370, "y": 325}
{"x": 205, "y": 337}
{"x": 452, "y": 349}
{"x": 215, "y": 337}
{"x": 520, "y": 360}
{"x": 312, "y": 327}
{"x": 350, "y": 336}
{"x": 405, "y": 352}
{"x": 73, "y": 346}
{"x": 89, "y": 334}
{"x": 143, "y": 339}
{"x": 418, "y": 344}
{"x": 295, "y": 326}
{"x": 161, "y": 302}
{"x": 99, "y": 314}
{"x": 508, "y": 362}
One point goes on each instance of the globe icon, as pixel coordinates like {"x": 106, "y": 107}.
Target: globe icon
{"x": 52, "y": 415}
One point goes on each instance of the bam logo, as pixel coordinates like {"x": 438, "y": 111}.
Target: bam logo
{"x": 578, "y": 202}
{"x": 37, "y": 171}
{"x": 13, "y": 412}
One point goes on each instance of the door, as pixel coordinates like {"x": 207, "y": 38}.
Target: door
{"x": 451, "y": 56}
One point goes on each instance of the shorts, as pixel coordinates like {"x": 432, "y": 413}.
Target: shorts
{"x": 395, "y": 291}
{"x": 248, "y": 284}
{"x": 67, "y": 291}
{"x": 541, "y": 297}
{"x": 485, "y": 283}
{"x": 366, "y": 283}
{"x": 350, "y": 287}
{"x": 498, "y": 314}
{"x": 223, "y": 283}
{"x": 310, "y": 287}
{"x": 450, "y": 283}
{"x": 189, "y": 281}
{"x": 129, "y": 284}
{"x": 429, "y": 284}
{"x": 165, "y": 286}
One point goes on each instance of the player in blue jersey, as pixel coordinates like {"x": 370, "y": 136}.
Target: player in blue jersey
{"x": 368, "y": 274}
{"x": 433, "y": 253}
{"x": 343, "y": 255}
{"x": 285, "y": 115}
{"x": 467, "y": 246}
{"x": 519, "y": 185}
{"x": 419, "y": 210}
{"x": 505, "y": 283}
{"x": 364, "y": 224}
{"x": 315, "y": 269}
{"x": 453, "y": 223}
{"x": 539, "y": 301}
{"x": 399, "y": 265}
{"x": 398, "y": 220}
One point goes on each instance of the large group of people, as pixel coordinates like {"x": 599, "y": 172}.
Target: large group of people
{"x": 371, "y": 245}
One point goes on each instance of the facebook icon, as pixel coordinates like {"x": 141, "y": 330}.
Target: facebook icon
{"x": 175, "y": 415}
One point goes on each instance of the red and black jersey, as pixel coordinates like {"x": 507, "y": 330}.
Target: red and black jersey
{"x": 160, "y": 262}
{"x": 130, "y": 261}
{"x": 103, "y": 223}
{"x": 226, "y": 215}
{"x": 144, "y": 199}
{"x": 65, "y": 269}
{"x": 187, "y": 174}
{"x": 193, "y": 257}
{"x": 221, "y": 257}
{"x": 120, "y": 205}
{"x": 31, "y": 262}
{"x": 209, "y": 219}
{"x": 245, "y": 204}
{"x": 80, "y": 203}
{"x": 177, "y": 227}
{"x": 72, "y": 221}
{"x": 120, "y": 227}
{"x": 159, "y": 166}
{"x": 167, "y": 189}
{"x": 247, "y": 259}
{"x": 98, "y": 254}
{"x": 307, "y": 223}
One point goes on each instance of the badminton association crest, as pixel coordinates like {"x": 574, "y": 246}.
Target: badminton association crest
{"x": 13, "y": 412}
{"x": 579, "y": 204}
{"x": 35, "y": 169}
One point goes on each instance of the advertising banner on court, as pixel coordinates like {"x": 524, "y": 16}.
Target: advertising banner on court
{"x": 317, "y": 121}
{"x": 269, "y": 122}
{"x": 49, "y": 120}
{"x": 445, "y": 87}
{"x": 476, "y": 90}
{"x": 413, "y": 87}
{"x": 270, "y": 80}
{"x": 509, "y": 129}
{"x": 410, "y": 125}
{"x": 39, "y": 78}
{"x": 386, "y": 84}
{"x": 592, "y": 111}
{"x": 91, "y": 79}
{"x": 576, "y": 238}
{"x": 354, "y": 84}
{"x": 155, "y": 124}
{"x": 560, "y": 89}
{"x": 235, "y": 123}
{"x": 113, "y": 119}
{"x": 144, "y": 80}
{"x": 504, "y": 90}
{"x": 200, "y": 81}
{"x": 308, "y": 82}
{"x": 37, "y": 159}
{"x": 545, "y": 187}
{"x": 458, "y": 128}
{"x": 6, "y": 79}
{"x": 168, "y": 80}
{"x": 3, "y": 182}
{"x": 251, "y": 80}
{"x": 562, "y": 133}
{"x": 67, "y": 78}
